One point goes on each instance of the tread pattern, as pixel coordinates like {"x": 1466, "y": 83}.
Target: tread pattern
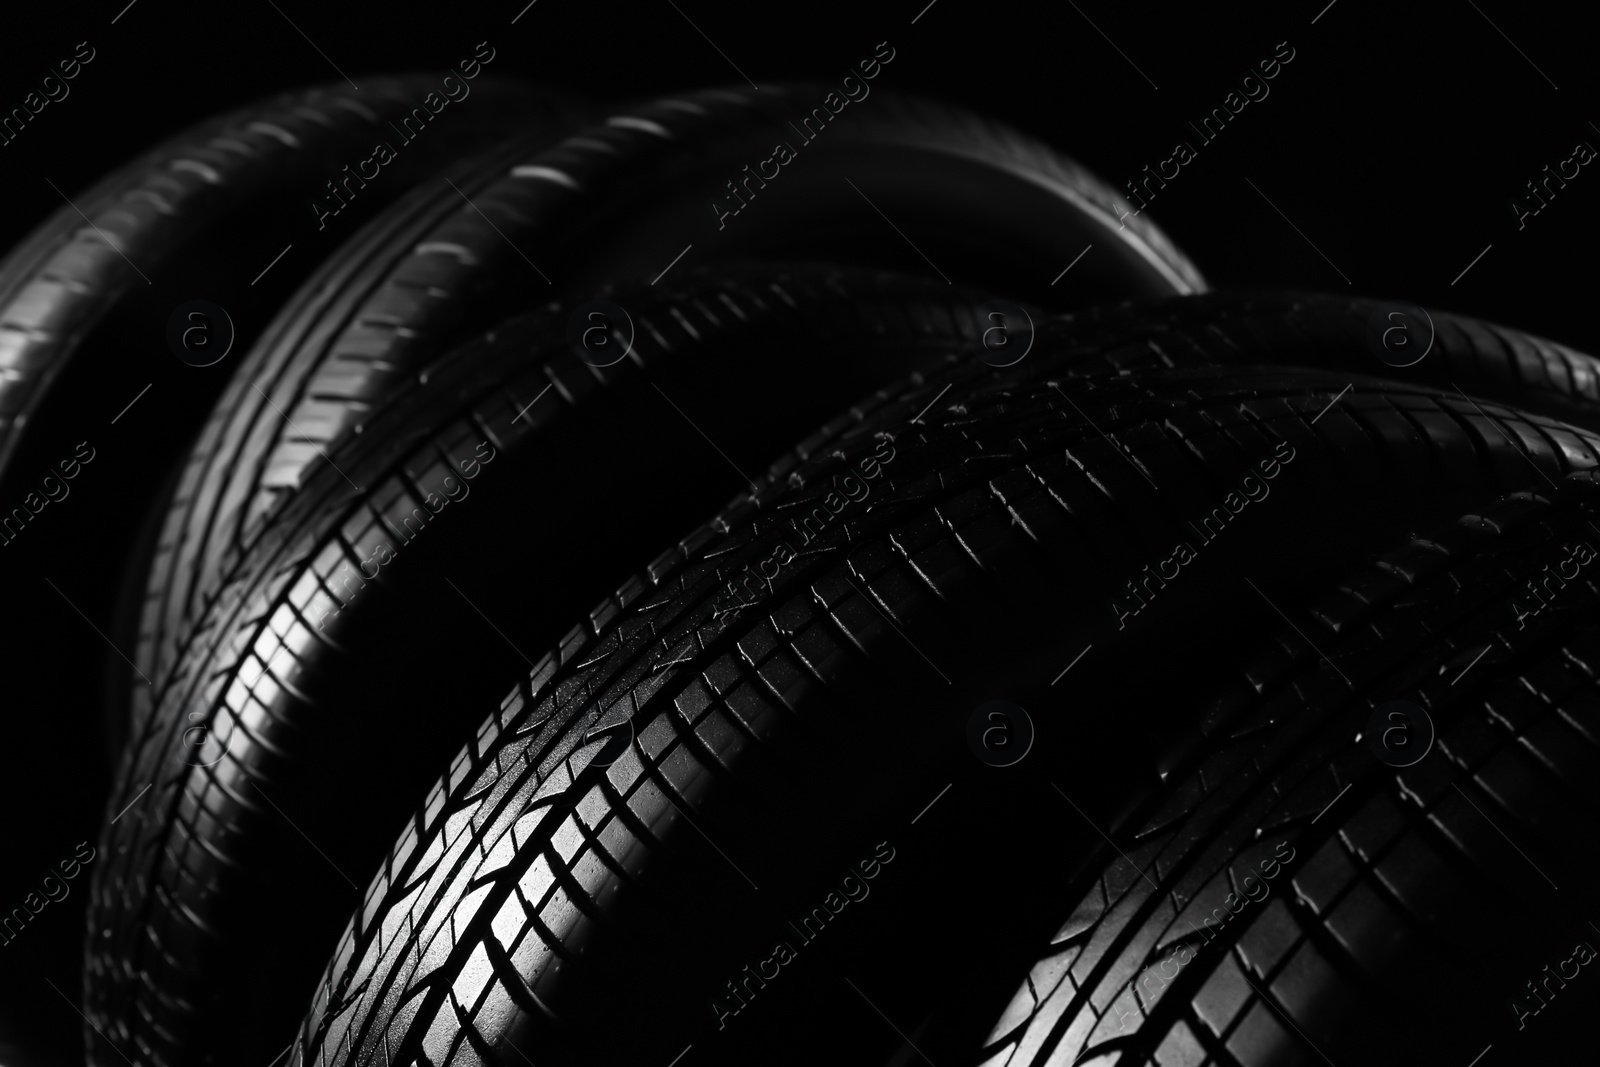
{"x": 157, "y": 916}
{"x": 435, "y": 269}
{"x": 1386, "y": 898}
{"x": 64, "y": 277}
{"x": 1329, "y": 332}
{"x": 475, "y": 928}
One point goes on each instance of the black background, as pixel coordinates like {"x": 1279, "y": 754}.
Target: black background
{"x": 1394, "y": 141}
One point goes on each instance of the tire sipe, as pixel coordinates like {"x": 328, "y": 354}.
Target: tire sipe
{"x": 535, "y": 896}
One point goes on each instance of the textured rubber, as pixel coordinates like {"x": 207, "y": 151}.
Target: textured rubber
{"x": 1330, "y": 332}
{"x": 511, "y": 912}
{"x": 1455, "y": 887}
{"x": 614, "y": 202}
{"x": 73, "y": 271}
{"x": 191, "y": 899}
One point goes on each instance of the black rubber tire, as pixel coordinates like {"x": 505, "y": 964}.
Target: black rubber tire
{"x": 615, "y": 202}
{"x": 1444, "y": 886}
{"x": 242, "y": 408}
{"x": 1329, "y": 332}
{"x": 994, "y": 545}
{"x": 241, "y": 180}
{"x": 188, "y": 903}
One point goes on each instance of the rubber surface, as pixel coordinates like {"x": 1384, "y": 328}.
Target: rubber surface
{"x": 156, "y": 214}
{"x": 512, "y": 913}
{"x": 346, "y": 713}
{"x": 619, "y": 200}
{"x": 1455, "y": 886}
{"x": 1330, "y": 333}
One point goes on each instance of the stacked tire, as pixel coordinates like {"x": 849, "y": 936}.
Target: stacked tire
{"x": 542, "y": 649}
